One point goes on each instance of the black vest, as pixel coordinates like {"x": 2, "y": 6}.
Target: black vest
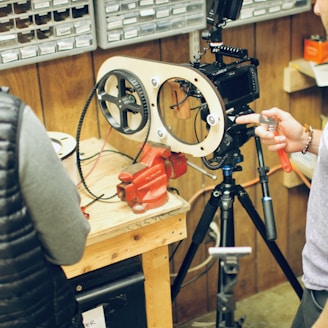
{"x": 33, "y": 292}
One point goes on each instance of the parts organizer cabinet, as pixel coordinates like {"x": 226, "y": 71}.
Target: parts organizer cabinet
{"x": 39, "y": 30}
{"x": 118, "y": 234}
{"x": 125, "y": 22}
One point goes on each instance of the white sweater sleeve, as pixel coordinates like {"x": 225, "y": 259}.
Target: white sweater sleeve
{"x": 50, "y": 195}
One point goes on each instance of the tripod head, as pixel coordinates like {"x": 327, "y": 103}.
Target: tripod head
{"x": 237, "y": 83}
{"x": 228, "y": 152}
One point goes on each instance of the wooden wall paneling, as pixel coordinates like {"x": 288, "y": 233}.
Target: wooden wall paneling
{"x": 175, "y": 49}
{"x": 305, "y": 105}
{"x": 23, "y": 83}
{"x": 192, "y": 298}
{"x": 65, "y": 85}
{"x": 273, "y": 52}
{"x": 304, "y": 25}
{"x": 149, "y": 50}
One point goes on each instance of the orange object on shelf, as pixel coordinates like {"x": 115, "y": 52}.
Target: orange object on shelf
{"x": 316, "y": 49}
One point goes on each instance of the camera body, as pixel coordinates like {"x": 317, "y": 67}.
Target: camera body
{"x": 237, "y": 84}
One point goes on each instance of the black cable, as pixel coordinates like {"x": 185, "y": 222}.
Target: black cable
{"x": 210, "y": 166}
{"x": 107, "y": 151}
{"x": 78, "y": 135}
{"x": 210, "y": 266}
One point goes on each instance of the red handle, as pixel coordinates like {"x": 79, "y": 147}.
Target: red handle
{"x": 284, "y": 159}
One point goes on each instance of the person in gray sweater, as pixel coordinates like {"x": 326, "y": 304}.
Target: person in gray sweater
{"x": 50, "y": 194}
{"x": 42, "y": 226}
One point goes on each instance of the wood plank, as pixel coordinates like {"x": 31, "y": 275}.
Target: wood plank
{"x": 129, "y": 244}
{"x": 296, "y": 80}
{"x": 65, "y": 85}
{"x": 175, "y": 49}
{"x": 157, "y": 288}
{"x": 23, "y": 83}
{"x": 185, "y": 304}
{"x": 125, "y": 220}
{"x": 102, "y": 179}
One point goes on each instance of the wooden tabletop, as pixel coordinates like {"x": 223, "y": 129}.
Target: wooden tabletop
{"x": 117, "y": 232}
{"x": 109, "y": 218}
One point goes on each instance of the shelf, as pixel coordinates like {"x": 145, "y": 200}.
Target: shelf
{"x": 302, "y": 74}
{"x": 298, "y": 76}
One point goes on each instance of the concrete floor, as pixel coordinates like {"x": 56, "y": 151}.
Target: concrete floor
{"x": 274, "y": 308}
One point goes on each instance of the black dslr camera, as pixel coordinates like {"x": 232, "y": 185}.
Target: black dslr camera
{"x": 237, "y": 84}
{"x": 237, "y": 81}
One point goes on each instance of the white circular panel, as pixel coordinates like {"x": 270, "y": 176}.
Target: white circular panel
{"x": 205, "y": 142}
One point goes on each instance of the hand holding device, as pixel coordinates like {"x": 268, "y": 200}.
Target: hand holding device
{"x": 272, "y": 126}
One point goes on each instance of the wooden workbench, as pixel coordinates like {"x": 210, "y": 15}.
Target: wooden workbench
{"x": 117, "y": 233}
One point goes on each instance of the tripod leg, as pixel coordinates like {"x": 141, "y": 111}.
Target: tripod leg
{"x": 250, "y": 209}
{"x": 197, "y": 238}
{"x": 225, "y": 298}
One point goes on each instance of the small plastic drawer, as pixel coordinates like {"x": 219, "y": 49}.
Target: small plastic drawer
{"x": 131, "y": 32}
{"x": 127, "y": 5}
{"x": 179, "y": 10}
{"x": 41, "y": 5}
{"x": 163, "y": 12}
{"x": 124, "y": 22}
{"x": 163, "y": 26}
{"x": 146, "y": 3}
{"x": 147, "y": 29}
{"x": 28, "y": 52}
{"x": 115, "y": 35}
{"x": 8, "y": 40}
{"x": 146, "y": 15}
{"x": 9, "y": 56}
{"x": 112, "y": 7}
{"x": 178, "y": 24}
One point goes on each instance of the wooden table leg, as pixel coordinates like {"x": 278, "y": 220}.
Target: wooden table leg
{"x": 156, "y": 270}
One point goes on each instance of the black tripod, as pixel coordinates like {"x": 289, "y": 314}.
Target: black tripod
{"x": 223, "y": 197}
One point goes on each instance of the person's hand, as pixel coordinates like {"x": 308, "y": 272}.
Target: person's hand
{"x": 291, "y": 134}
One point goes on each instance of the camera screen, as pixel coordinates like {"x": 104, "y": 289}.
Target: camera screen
{"x": 235, "y": 88}
{"x": 239, "y": 87}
